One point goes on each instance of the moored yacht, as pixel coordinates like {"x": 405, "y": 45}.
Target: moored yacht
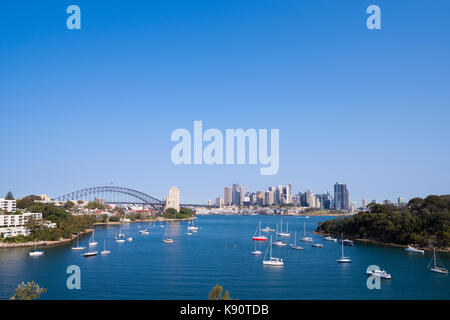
{"x": 294, "y": 245}
{"x": 347, "y": 242}
{"x": 78, "y": 247}
{"x": 412, "y": 249}
{"x": 279, "y": 242}
{"x": 305, "y": 238}
{"x": 435, "y": 268}
{"x": 90, "y": 253}
{"x": 258, "y": 236}
{"x": 379, "y": 274}
{"x": 267, "y": 229}
{"x": 92, "y": 242}
{"x": 329, "y": 238}
{"x": 343, "y": 259}
{"x": 104, "y": 249}
{"x": 36, "y": 252}
{"x": 284, "y": 234}
{"x": 277, "y": 262}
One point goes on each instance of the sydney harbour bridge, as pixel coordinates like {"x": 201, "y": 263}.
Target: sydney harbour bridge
{"x": 118, "y": 196}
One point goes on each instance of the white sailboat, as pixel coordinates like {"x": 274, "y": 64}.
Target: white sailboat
{"x": 256, "y": 252}
{"x": 329, "y": 238}
{"x": 267, "y": 229}
{"x": 284, "y": 234}
{"x": 279, "y": 242}
{"x": 435, "y": 267}
{"x": 277, "y": 262}
{"x": 191, "y": 226}
{"x": 258, "y": 236}
{"x": 305, "y": 238}
{"x": 343, "y": 259}
{"x": 90, "y": 253}
{"x": 36, "y": 252}
{"x": 104, "y": 248}
{"x": 78, "y": 246}
{"x": 166, "y": 239}
{"x": 92, "y": 242}
{"x": 294, "y": 245}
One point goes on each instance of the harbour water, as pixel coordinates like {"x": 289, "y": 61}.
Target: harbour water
{"x": 220, "y": 252}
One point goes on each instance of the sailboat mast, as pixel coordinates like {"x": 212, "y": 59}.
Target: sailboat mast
{"x": 434, "y": 257}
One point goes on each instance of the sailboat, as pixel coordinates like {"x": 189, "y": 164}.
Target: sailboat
{"x": 92, "y": 242}
{"x": 305, "y": 238}
{"x": 78, "y": 246}
{"x": 284, "y": 234}
{"x": 279, "y": 242}
{"x": 121, "y": 235}
{"x": 435, "y": 267}
{"x": 90, "y": 253}
{"x": 294, "y": 245}
{"x": 257, "y": 236}
{"x": 167, "y": 239}
{"x": 277, "y": 262}
{"x": 104, "y": 248}
{"x": 267, "y": 229}
{"x": 192, "y": 227}
{"x": 256, "y": 252}
{"x": 36, "y": 252}
{"x": 343, "y": 259}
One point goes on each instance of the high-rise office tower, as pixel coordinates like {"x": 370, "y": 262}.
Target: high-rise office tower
{"x": 341, "y": 198}
{"x": 173, "y": 200}
{"x": 242, "y": 199}
{"x": 234, "y": 194}
{"x": 268, "y": 198}
{"x": 227, "y": 196}
{"x": 363, "y": 203}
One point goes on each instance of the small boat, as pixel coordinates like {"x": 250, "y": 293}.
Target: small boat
{"x": 166, "y": 239}
{"x": 78, "y": 246}
{"x": 343, "y": 259}
{"x": 379, "y": 274}
{"x": 90, "y": 253}
{"x": 191, "y": 226}
{"x": 104, "y": 249}
{"x": 317, "y": 245}
{"x": 294, "y": 245}
{"x": 276, "y": 262}
{"x": 129, "y": 239}
{"x": 279, "y": 242}
{"x": 284, "y": 234}
{"x": 267, "y": 229}
{"x": 306, "y": 217}
{"x": 329, "y": 238}
{"x": 347, "y": 242}
{"x": 412, "y": 249}
{"x": 161, "y": 225}
{"x": 305, "y": 238}
{"x": 256, "y": 252}
{"x": 144, "y": 232}
{"x": 36, "y": 252}
{"x": 435, "y": 267}
{"x": 258, "y": 236}
{"x": 120, "y": 240}
{"x": 92, "y": 242}
{"x": 189, "y": 233}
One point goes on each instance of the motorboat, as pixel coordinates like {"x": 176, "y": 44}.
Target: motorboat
{"x": 415, "y": 250}
{"x": 379, "y": 274}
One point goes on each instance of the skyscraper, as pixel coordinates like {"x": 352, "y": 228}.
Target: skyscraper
{"x": 234, "y": 194}
{"x": 363, "y": 203}
{"x": 341, "y": 198}
{"x": 227, "y": 196}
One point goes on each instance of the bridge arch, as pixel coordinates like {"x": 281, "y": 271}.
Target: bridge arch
{"x": 142, "y": 197}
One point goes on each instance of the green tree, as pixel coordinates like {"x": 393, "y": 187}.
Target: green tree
{"x": 216, "y": 293}
{"x": 9, "y": 196}
{"x": 27, "y": 291}
{"x": 26, "y": 201}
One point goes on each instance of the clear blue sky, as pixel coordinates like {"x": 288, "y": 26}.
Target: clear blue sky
{"x": 98, "y": 105}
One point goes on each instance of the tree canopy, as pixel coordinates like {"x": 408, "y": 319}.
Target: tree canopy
{"x": 422, "y": 221}
{"x": 9, "y": 196}
{"x": 216, "y": 293}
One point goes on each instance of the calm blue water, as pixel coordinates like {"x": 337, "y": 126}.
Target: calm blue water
{"x": 220, "y": 252}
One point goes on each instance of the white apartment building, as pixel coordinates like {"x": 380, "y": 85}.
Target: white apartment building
{"x": 173, "y": 200}
{"x": 12, "y": 225}
{"x": 7, "y": 205}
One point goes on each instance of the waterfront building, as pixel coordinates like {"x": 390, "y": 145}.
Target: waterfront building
{"x": 227, "y": 196}
{"x": 219, "y": 202}
{"x": 14, "y": 224}
{"x": 7, "y": 205}
{"x": 173, "y": 200}
{"x": 341, "y": 197}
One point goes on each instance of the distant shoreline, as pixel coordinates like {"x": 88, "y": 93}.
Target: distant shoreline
{"x": 387, "y": 244}
{"x": 50, "y": 243}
